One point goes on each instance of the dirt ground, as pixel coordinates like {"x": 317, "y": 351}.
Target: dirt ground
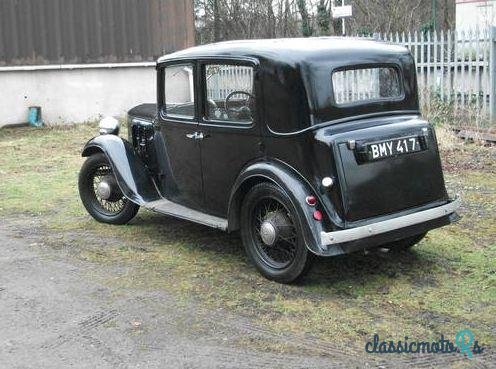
{"x": 164, "y": 293}
{"x": 57, "y": 313}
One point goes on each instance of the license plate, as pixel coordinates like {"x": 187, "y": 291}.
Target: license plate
{"x": 400, "y": 146}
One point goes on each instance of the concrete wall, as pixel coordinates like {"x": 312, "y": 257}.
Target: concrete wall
{"x": 74, "y": 93}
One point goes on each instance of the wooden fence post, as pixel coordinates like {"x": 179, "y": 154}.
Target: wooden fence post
{"x": 492, "y": 75}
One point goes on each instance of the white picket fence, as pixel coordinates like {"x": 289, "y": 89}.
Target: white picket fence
{"x": 224, "y": 79}
{"x": 455, "y": 68}
{"x": 458, "y": 68}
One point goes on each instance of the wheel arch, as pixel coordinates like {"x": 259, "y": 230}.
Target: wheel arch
{"x": 291, "y": 183}
{"x": 91, "y": 150}
{"x": 237, "y": 198}
{"x": 131, "y": 173}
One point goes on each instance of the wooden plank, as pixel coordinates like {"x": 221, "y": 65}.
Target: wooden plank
{"x": 470, "y": 71}
{"x": 449, "y": 37}
{"x": 457, "y": 79}
{"x": 435, "y": 73}
{"x": 462, "y": 76}
{"x": 428, "y": 63}
{"x": 477, "y": 69}
{"x": 417, "y": 54}
{"x": 442, "y": 67}
{"x": 485, "y": 70}
{"x": 422, "y": 56}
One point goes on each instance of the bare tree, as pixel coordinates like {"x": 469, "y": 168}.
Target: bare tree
{"x": 388, "y": 16}
{"x": 244, "y": 19}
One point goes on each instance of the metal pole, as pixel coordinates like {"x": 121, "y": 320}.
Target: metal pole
{"x": 492, "y": 75}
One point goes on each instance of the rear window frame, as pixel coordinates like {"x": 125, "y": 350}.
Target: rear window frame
{"x": 398, "y": 98}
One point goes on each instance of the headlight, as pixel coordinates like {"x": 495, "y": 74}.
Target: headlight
{"x": 109, "y": 126}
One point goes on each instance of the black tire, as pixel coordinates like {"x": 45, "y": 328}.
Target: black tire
{"x": 405, "y": 244}
{"x": 119, "y": 210}
{"x": 299, "y": 258}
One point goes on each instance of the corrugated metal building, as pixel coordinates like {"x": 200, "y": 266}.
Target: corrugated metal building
{"x": 92, "y": 31}
{"x": 82, "y": 59}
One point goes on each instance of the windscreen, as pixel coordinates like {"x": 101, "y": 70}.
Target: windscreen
{"x": 363, "y": 85}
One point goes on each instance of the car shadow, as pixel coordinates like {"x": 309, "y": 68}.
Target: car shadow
{"x": 354, "y": 268}
{"x": 360, "y": 268}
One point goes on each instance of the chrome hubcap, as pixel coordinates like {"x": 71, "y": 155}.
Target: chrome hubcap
{"x": 275, "y": 234}
{"x": 104, "y": 190}
{"x": 268, "y": 233}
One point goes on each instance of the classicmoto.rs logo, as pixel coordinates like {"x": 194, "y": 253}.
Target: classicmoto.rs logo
{"x": 464, "y": 343}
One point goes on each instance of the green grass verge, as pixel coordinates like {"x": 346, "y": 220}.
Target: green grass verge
{"x": 445, "y": 284}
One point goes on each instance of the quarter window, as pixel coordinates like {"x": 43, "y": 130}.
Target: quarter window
{"x": 366, "y": 84}
{"x": 229, "y": 93}
{"x": 179, "y": 91}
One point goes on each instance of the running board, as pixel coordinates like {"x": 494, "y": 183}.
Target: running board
{"x": 179, "y": 211}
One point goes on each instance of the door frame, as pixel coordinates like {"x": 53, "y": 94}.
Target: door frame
{"x": 184, "y": 122}
{"x": 213, "y": 128}
{"x": 202, "y": 91}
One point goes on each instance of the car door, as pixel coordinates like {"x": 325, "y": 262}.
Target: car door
{"x": 231, "y": 139}
{"x": 178, "y": 122}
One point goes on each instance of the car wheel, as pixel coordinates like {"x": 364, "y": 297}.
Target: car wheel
{"x": 100, "y": 193}
{"x": 272, "y": 235}
{"x": 405, "y": 243}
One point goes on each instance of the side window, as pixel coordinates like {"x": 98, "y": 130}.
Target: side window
{"x": 229, "y": 93}
{"x": 179, "y": 91}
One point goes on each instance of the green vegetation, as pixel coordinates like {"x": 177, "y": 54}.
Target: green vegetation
{"x": 446, "y": 283}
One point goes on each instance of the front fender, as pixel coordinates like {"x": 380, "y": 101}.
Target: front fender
{"x": 295, "y": 187}
{"x": 131, "y": 173}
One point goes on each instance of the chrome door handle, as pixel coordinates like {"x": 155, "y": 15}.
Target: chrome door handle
{"x": 196, "y": 135}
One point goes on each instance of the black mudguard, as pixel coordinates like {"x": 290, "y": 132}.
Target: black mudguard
{"x": 295, "y": 187}
{"x": 131, "y": 173}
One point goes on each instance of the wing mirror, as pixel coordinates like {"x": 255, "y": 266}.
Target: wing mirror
{"x": 109, "y": 126}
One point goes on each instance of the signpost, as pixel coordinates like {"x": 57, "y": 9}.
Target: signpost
{"x": 343, "y": 11}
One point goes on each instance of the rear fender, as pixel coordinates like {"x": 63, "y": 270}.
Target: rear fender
{"x": 292, "y": 184}
{"x": 131, "y": 173}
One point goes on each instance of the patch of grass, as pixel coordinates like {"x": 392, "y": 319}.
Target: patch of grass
{"x": 445, "y": 284}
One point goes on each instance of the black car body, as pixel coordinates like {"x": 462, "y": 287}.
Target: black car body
{"x": 332, "y": 123}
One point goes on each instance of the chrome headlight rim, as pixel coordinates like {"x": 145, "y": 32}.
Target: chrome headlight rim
{"x": 109, "y": 126}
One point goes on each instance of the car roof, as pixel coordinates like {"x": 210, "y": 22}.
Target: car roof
{"x": 290, "y": 50}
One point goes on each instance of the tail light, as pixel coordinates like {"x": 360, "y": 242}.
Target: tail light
{"x": 317, "y": 215}
{"x": 311, "y": 200}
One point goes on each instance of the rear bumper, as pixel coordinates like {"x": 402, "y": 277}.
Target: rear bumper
{"x": 418, "y": 221}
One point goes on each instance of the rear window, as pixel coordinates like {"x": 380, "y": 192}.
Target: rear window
{"x": 362, "y": 85}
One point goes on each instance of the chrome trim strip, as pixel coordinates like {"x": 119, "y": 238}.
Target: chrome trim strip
{"x": 352, "y": 234}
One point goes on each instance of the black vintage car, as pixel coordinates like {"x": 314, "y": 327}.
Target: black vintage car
{"x": 308, "y": 146}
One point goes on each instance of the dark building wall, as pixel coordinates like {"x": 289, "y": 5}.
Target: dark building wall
{"x": 92, "y": 31}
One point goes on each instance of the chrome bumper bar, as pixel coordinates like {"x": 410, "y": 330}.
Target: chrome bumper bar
{"x": 352, "y": 234}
